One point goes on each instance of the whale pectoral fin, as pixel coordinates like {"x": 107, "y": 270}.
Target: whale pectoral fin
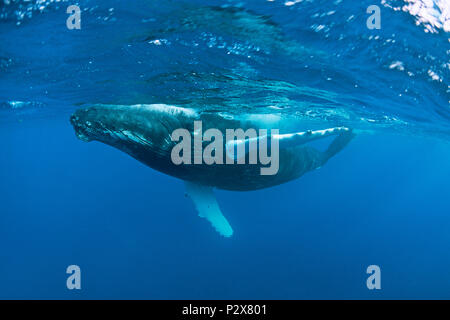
{"x": 339, "y": 143}
{"x": 285, "y": 140}
{"x": 343, "y": 136}
{"x": 207, "y": 207}
{"x": 298, "y": 138}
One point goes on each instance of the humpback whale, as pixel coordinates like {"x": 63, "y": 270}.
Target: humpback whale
{"x": 144, "y": 132}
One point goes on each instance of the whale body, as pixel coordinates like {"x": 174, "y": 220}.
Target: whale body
{"x": 145, "y": 133}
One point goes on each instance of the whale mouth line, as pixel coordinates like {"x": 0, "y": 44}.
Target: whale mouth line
{"x": 83, "y": 137}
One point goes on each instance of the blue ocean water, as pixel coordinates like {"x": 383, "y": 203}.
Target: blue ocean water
{"x": 384, "y": 200}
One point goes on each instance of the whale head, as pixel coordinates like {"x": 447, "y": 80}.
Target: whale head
{"x": 142, "y": 131}
{"x": 109, "y": 123}
{"x": 141, "y": 124}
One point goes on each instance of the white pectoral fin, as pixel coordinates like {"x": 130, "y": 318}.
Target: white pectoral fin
{"x": 285, "y": 140}
{"x": 294, "y": 139}
{"x": 207, "y": 207}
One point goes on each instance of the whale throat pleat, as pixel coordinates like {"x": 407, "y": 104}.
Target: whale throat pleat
{"x": 208, "y": 208}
